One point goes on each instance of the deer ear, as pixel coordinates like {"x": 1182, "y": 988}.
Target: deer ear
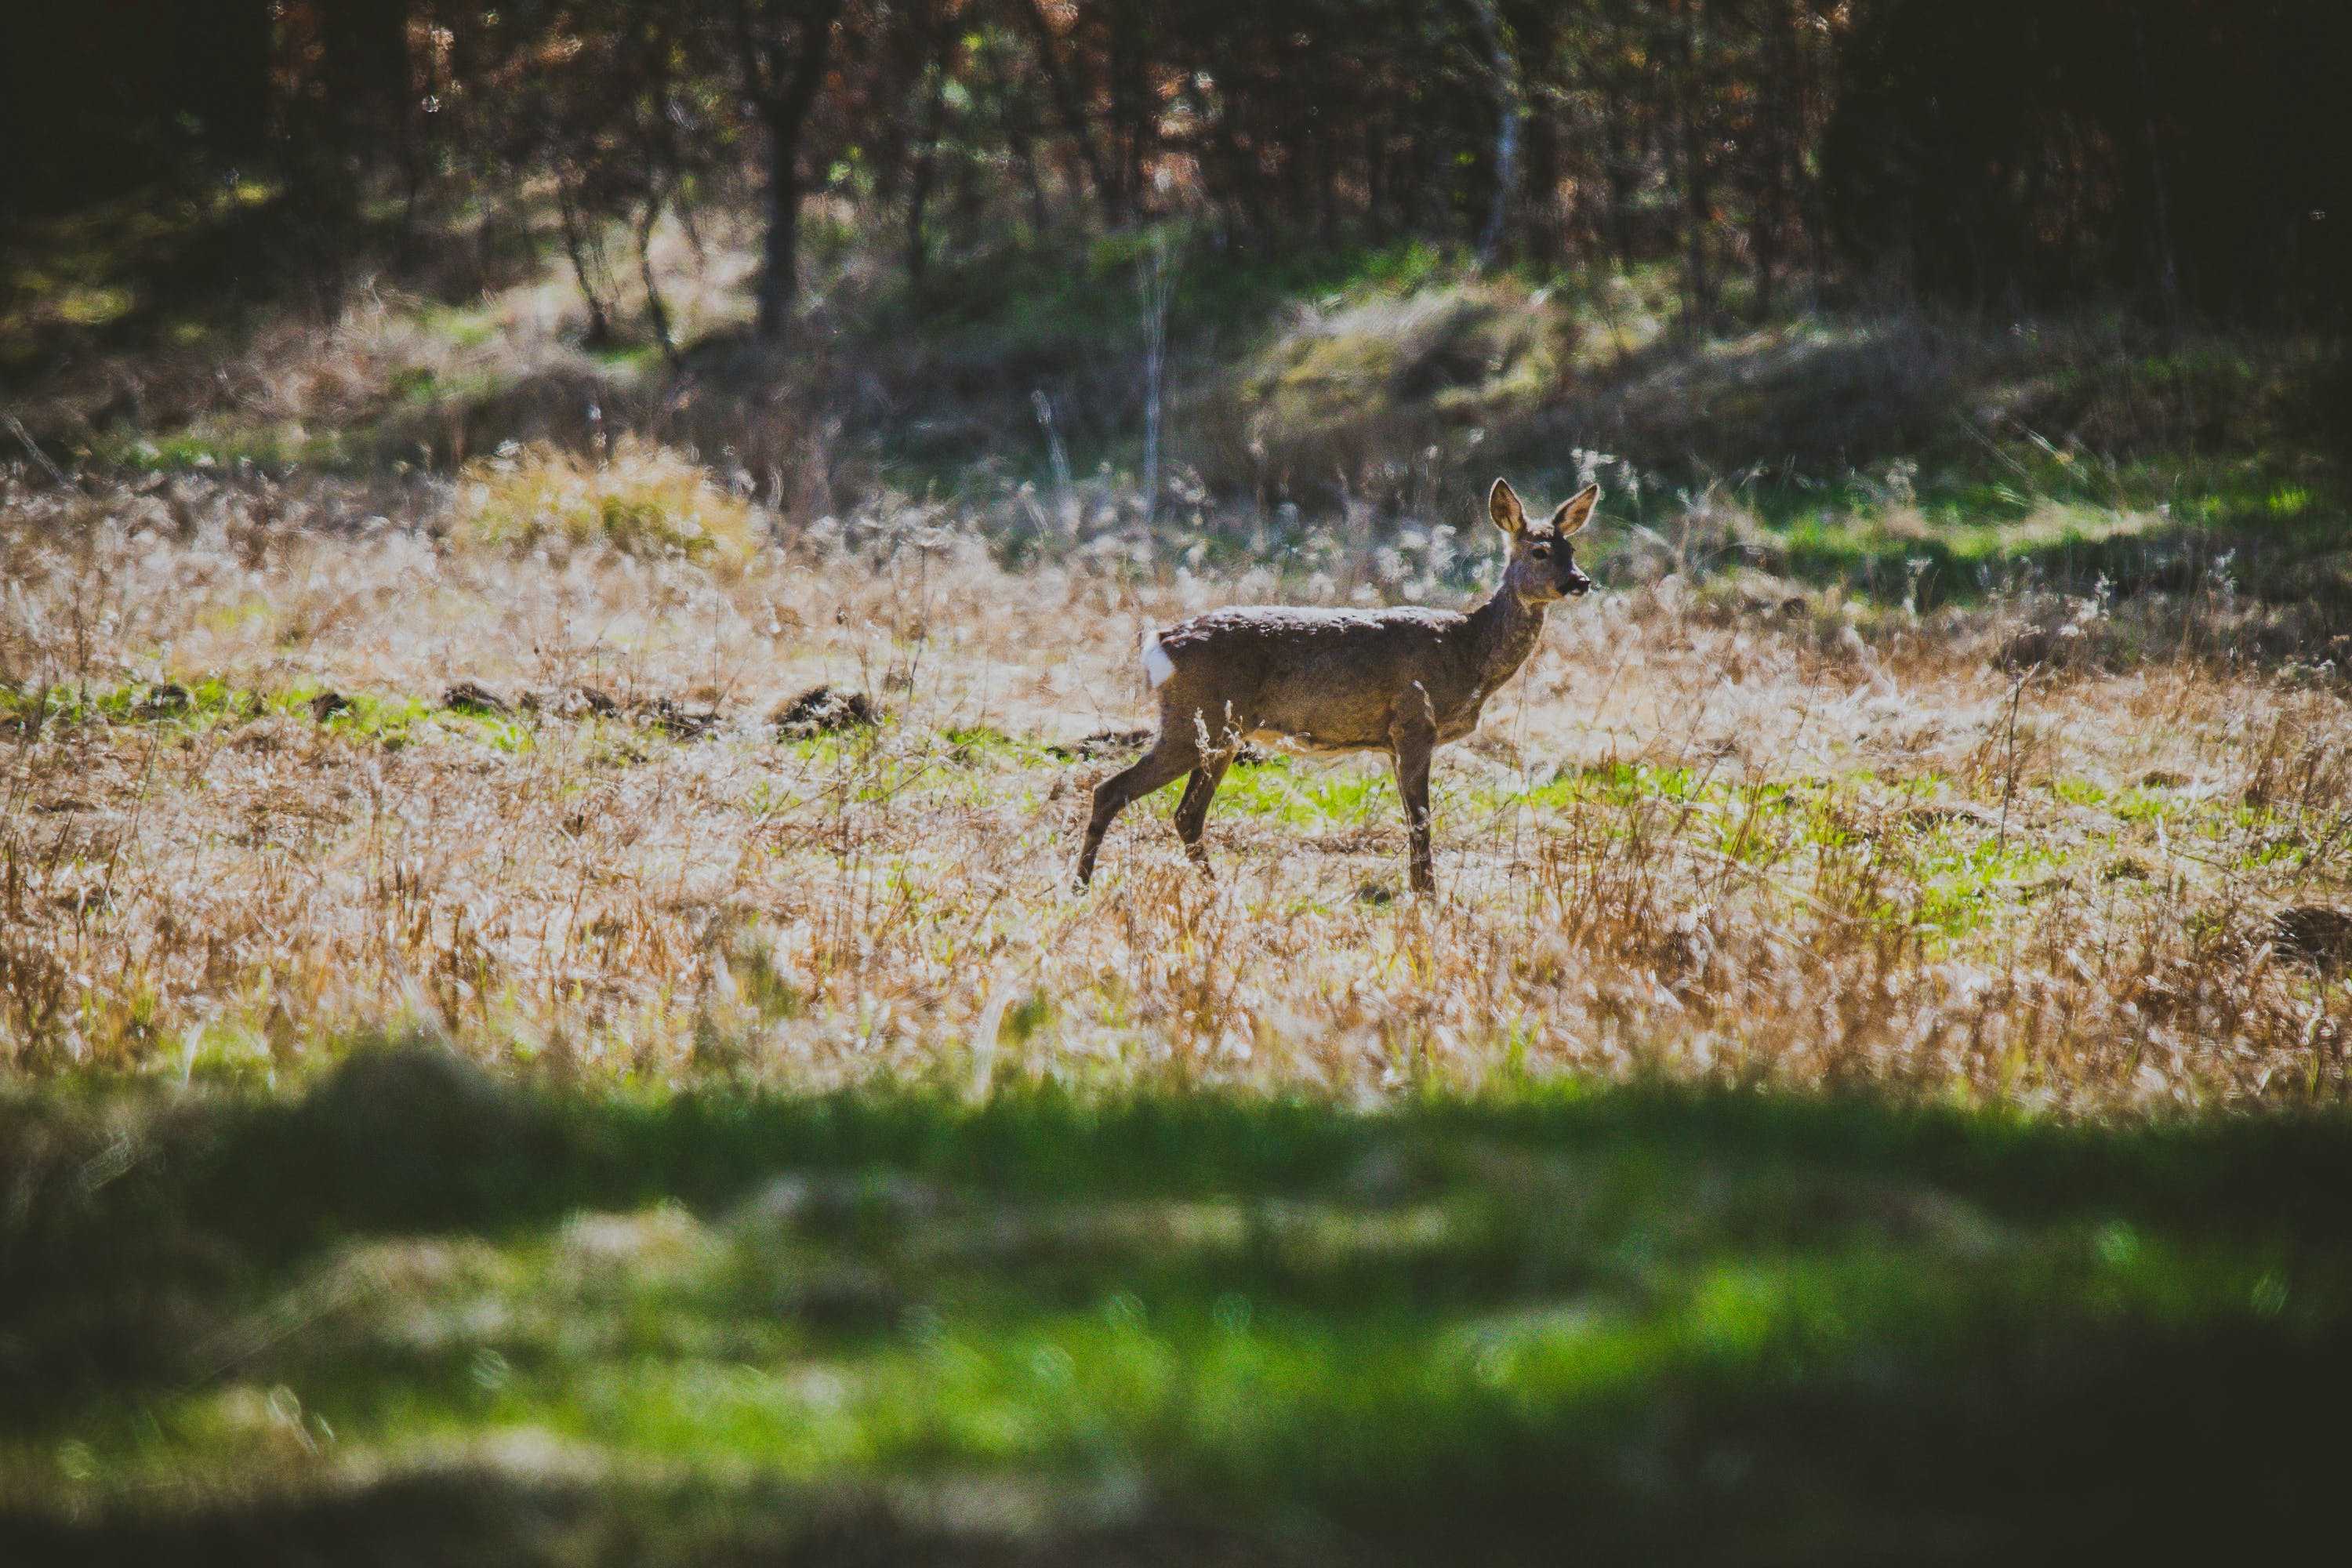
{"x": 1576, "y": 511}
{"x": 1503, "y": 506}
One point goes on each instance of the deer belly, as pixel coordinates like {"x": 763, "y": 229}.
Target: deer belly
{"x": 1332, "y": 741}
{"x": 1311, "y": 745}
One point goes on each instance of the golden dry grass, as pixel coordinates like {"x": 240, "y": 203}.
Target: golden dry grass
{"x": 1697, "y": 839}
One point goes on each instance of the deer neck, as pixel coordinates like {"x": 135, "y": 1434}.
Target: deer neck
{"x": 1503, "y": 632}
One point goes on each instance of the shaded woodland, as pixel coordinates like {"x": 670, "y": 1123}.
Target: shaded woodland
{"x": 2178, "y": 156}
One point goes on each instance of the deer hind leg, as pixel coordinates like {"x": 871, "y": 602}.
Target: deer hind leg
{"x": 1172, "y": 755}
{"x": 1192, "y": 811}
{"x": 1412, "y": 740}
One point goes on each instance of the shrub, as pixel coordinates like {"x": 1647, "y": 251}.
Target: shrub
{"x": 643, "y": 499}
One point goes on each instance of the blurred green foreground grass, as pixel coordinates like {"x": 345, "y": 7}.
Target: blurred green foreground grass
{"x": 418, "y": 1315}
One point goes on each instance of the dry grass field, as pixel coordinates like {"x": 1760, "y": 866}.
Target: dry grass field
{"x": 285, "y": 764}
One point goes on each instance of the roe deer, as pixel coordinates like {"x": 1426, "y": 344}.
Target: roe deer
{"x": 1400, "y": 681}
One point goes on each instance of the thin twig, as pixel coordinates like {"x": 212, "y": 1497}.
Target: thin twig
{"x": 25, "y": 438}
{"x": 2009, "y": 760}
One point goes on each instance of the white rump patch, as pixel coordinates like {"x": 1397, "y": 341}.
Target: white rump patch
{"x": 1157, "y": 666}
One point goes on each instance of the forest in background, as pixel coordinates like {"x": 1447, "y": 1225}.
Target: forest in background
{"x": 1830, "y": 257}
{"x": 2180, "y": 155}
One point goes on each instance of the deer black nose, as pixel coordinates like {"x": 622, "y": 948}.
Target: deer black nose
{"x": 1579, "y": 585}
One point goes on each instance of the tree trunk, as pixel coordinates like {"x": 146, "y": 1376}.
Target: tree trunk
{"x": 657, "y": 309}
{"x": 224, "y": 49}
{"x": 1068, "y": 104}
{"x": 1503, "y": 75}
{"x": 1327, "y": 187}
{"x": 926, "y": 153}
{"x": 1013, "y": 120}
{"x": 1619, "y": 172}
{"x": 1376, "y": 183}
{"x": 2167, "y": 260}
{"x": 1131, "y": 102}
{"x": 1541, "y": 218}
{"x": 1812, "y": 219}
{"x": 1698, "y": 185}
{"x": 1221, "y": 149}
{"x": 366, "y": 44}
{"x": 576, "y": 247}
{"x": 779, "y": 257}
{"x": 1772, "y": 195}
{"x": 785, "y": 83}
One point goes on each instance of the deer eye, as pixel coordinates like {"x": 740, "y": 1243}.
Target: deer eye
{"x": 1540, "y": 551}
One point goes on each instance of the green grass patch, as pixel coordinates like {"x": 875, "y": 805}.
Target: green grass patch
{"x": 390, "y": 720}
{"x": 1739, "y": 1325}
{"x": 1307, "y": 795}
{"x": 201, "y": 706}
{"x": 982, "y": 745}
{"x": 1963, "y": 881}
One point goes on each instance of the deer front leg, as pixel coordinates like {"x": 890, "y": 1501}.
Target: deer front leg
{"x": 1411, "y": 740}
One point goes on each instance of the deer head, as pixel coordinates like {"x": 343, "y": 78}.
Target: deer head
{"x": 1542, "y": 567}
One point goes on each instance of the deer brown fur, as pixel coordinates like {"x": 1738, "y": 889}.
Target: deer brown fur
{"x": 1401, "y": 680}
